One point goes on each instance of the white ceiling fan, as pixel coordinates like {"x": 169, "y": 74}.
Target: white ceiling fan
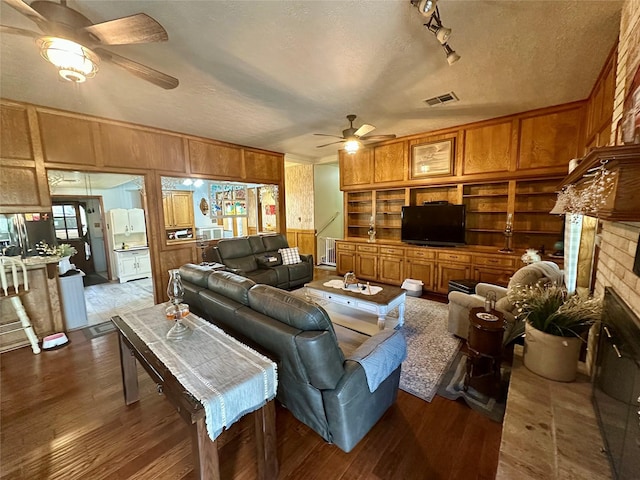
{"x": 352, "y": 137}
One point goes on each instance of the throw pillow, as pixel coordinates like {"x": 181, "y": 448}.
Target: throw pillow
{"x": 271, "y": 260}
{"x": 290, "y": 256}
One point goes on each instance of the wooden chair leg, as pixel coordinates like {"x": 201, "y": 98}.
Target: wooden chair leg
{"x": 26, "y": 323}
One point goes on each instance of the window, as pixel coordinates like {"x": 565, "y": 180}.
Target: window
{"x": 69, "y": 220}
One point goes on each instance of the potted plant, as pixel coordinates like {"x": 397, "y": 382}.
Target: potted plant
{"x": 555, "y": 326}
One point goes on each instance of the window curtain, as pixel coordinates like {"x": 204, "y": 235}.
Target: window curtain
{"x": 572, "y": 233}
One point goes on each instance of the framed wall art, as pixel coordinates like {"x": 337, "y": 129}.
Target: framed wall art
{"x": 434, "y": 158}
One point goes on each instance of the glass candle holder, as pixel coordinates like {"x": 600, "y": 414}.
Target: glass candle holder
{"x": 175, "y": 291}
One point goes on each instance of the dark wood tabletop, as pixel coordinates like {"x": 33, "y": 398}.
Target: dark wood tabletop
{"x": 385, "y": 296}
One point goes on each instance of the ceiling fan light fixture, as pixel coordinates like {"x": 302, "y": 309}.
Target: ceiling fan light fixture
{"x": 74, "y": 62}
{"x": 452, "y": 56}
{"x": 351, "y": 146}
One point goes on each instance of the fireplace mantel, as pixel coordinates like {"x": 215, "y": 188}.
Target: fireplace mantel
{"x": 623, "y": 201}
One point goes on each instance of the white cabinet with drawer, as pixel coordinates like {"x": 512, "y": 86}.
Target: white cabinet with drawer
{"x": 133, "y": 264}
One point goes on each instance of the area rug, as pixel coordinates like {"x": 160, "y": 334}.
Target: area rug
{"x": 95, "y": 331}
{"x": 452, "y": 384}
{"x": 430, "y": 346}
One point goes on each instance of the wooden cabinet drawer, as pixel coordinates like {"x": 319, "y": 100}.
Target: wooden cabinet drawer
{"x": 494, "y": 261}
{"x": 346, "y": 247}
{"x": 421, "y": 253}
{"x": 368, "y": 248}
{"x": 391, "y": 251}
{"x": 454, "y": 257}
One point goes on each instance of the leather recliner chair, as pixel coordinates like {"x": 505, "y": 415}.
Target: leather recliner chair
{"x": 460, "y": 304}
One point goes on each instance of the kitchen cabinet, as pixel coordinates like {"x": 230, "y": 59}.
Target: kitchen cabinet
{"x": 127, "y": 221}
{"x": 133, "y": 264}
{"x": 178, "y": 209}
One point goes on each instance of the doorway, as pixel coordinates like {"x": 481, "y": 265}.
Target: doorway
{"x": 71, "y": 226}
{"x": 82, "y": 202}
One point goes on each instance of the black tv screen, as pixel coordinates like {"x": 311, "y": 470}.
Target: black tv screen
{"x": 434, "y": 224}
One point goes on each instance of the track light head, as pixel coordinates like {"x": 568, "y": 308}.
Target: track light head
{"x": 425, "y": 7}
{"x": 452, "y": 56}
{"x": 441, "y": 33}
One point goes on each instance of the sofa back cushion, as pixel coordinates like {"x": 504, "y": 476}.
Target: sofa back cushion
{"x": 257, "y": 247}
{"x": 272, "y": 243}
{"x": 289, "y": 309}
{"x": 230, "y": 285}
{"x": 322, "y": 358}
{"x": 195, "y": 274}
{"x": 237, "y": 253}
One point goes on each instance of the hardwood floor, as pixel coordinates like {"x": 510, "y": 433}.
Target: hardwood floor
{"x": 63, "y": 416}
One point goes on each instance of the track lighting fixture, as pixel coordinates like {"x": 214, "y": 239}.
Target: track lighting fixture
{"x": 429, "y": 9}
{"x": 452, "y": 56}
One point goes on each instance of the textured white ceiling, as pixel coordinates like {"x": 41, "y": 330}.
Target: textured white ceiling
{"x": 270, "y": 73}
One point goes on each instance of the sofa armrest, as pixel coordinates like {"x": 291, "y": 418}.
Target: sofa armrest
{"x": 380, "y": 355}
{"x": 306, "y": 258}
{"x": 483, "y": 288}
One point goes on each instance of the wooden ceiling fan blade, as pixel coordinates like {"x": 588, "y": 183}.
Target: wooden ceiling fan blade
{"x": 19, "y": 31}
{"x": 364, "y": 129}
{"x": 141, "y": 71}
{"x": 138, "y": 28}
{"x": 375, "y": 138}
{"x": 25, "y": 9}
{"x": 327, "y": 144}
{"x": 327, "y": 135}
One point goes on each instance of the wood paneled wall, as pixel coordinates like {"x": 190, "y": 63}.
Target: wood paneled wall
{"x": 34, "y": 139}
{"x": 537, "y": 143}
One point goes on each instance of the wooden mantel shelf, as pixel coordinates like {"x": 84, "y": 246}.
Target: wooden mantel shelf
{"x": 623, "y": 202}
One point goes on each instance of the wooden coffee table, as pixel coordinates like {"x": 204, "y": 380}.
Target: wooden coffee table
{"x": 356, "y": 310}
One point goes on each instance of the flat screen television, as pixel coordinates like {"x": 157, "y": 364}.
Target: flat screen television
{"x": 435, "y": 224}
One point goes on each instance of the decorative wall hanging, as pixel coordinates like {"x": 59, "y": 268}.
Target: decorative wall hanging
{"x": 434, "y": 158}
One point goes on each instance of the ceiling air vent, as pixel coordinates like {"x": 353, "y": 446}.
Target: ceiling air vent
{"x": 439, "y": 100}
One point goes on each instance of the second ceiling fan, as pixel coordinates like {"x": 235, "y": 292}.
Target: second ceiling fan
{"x": 352, "y": 137}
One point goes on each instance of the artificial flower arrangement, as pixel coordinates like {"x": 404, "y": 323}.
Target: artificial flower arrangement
{"x": 62, "y": 250}
{"x": 550, "y": 309}
{"x": 530, "y": 256}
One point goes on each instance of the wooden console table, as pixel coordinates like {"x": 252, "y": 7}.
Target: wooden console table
{"x": 192, "y": 411}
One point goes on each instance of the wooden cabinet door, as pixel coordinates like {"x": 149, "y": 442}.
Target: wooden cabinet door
{"x": 388, "y": 163}
{"x": 356, "y": 169}
{"x": 421, "y": 270}
{"x": 182, "y": 209}
{"x": 367, "y": 266}
{"x": 391, "y": 270}
{"x": 346, "y": 262}
{"x": 491, "y": 275}
{"x": 167, "y": 208}
{"x": 450, "y": 271}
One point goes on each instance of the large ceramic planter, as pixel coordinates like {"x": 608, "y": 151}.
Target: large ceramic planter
{"x": 550, "y": 356}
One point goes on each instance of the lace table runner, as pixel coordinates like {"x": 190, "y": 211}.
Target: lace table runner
{"x": 227, "y": 377}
